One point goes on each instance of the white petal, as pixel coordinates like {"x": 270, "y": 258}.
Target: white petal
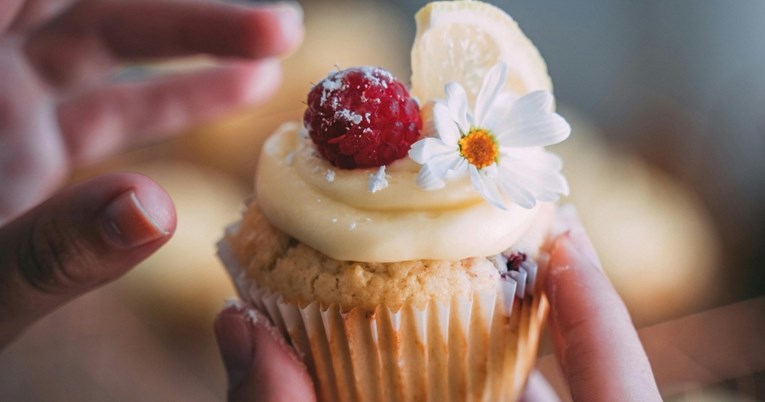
{"x": 486, "y": 187}
{"x": 458, "y": 169}
{"x": 492, "y": 84}
{"x": 496, "y": 115}
{"x": 515, "y": 192}
{"x": 530, "y": 123}
{"x": 534, "y": 157}
{"x": 446, "y": 127}
{"x": 530, "y": 174}
{"x": 553, "y": 183}
{"x": 430, "y": 177}
{"x": 490, "y": 171}
{"x": 506, "y": 99}
{"x": 536, "y": 102}
{"x": 544, "y": 184}
{"x": 437, "y": 167}
{"x": 427, "y": 148}
{"x": 534, "y": 132}
{"x": 433, "y": 173}
{"x": 427, "y": 180}
{"x": 456, "y": 100}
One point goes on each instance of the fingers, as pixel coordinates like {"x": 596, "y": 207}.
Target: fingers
{"x": 35, "y": 12}
{"x": 261, "y": 367}
{"x": 101, "y": 122}
{"x": 161, "y": 29}
{"x": 596, "y": 343}
{"x": 9, "y": 10}
{"x": 87, "y": 235}
{"x": 84, "y": 42}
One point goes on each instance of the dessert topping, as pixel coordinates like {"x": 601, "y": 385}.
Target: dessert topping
{"x": 498, "y": 144}
{"x": 378, "y": 180}
{"x": 461, "y": 41}
{"x": 362, "y": 117}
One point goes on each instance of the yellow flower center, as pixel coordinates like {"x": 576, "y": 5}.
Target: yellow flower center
{"x": 479, "y": 148}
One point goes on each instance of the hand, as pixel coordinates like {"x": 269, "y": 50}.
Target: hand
{"x": 261, "y": 366}
{"x": 59, "y": 109}
{"x": 595, "y": 342}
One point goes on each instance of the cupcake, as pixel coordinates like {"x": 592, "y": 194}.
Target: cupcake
{"x": 396, "y": 236}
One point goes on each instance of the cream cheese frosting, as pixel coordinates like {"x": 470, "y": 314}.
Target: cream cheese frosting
{"x": 332, "y": 211}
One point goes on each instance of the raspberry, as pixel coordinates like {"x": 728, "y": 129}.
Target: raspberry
{"x": 362, "y": 117}
{"x": 515, "y": 260}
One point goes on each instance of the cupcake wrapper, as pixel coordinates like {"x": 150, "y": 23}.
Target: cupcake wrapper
{"x": 476, "y": 348}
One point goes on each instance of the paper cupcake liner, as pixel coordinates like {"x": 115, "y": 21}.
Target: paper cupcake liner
{"x": 475, "y": 348}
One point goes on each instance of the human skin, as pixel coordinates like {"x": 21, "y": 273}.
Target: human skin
{"x": 61, "y": 108}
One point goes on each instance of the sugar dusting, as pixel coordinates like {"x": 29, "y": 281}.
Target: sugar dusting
{"x": 348, "y": 115}
{"x": 331, "y": 84}
{"x": 335, "y": 82}
{"x": 378, "y": 180}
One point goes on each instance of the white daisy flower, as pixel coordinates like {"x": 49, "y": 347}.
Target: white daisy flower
{"x": 499, "y": 145}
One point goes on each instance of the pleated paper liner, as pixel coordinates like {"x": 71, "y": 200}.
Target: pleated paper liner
{"x": 476, "y": 348}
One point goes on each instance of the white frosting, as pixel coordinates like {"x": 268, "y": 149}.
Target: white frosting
{"x": 399, "y": 223}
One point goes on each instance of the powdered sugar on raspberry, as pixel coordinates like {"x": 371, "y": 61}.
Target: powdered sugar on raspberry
{"x": 375, "y": 76}
{"x": 349, "y": 116}
{"x": 362, "y": 117}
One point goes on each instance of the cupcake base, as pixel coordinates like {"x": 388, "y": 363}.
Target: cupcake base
{"x": 476, "y": 348}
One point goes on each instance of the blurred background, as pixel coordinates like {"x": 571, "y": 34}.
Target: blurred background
{"x": 666, "y": 165}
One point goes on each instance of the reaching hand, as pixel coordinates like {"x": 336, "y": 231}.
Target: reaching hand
{"x": 60, "y": 108}
{"x": 261, "y": 366}
{"x": 596, "y": 343}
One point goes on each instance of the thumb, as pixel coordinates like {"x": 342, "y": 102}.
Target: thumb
{"x": 261, "y": 366}
{"x": 87, "y": 235}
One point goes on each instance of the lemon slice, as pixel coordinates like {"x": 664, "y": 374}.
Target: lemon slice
{"x": 461, "y": 40}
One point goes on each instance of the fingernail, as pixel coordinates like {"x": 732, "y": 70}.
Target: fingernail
{"x": 290, "y": 11}
{"x": 290, "y": 15}
{"x": 266, "y": 80}
{"x": 233, "y": 330}
{"x": 129, "y": 224}
{"x": 264, "y": 328}
{"x": 568, "y": 219}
